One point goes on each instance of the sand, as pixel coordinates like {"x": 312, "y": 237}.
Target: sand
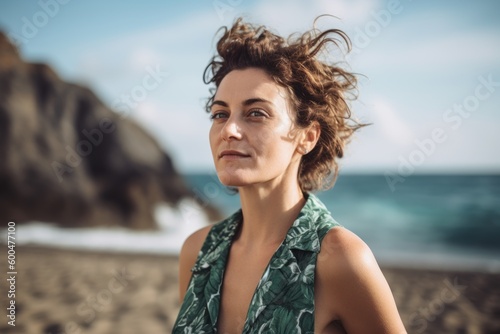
{"x": 66, "y": 291}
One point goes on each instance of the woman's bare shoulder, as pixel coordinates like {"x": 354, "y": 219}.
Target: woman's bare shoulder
{"x": 345, "y": 258}
{"x": 343, "y": 249}
{"x": 192, "y": 246}
{"x": 355, "y": 282}
{"x": 188, "y": 255}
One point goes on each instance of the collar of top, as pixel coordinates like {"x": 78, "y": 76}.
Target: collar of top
{"x": 302, "y": 235}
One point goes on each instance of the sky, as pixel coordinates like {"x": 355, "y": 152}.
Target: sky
{"x": 430, "y": 70}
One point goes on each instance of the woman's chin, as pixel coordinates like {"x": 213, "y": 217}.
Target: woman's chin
{"x": 232, "y": 179}
{"x": 232, "y": 182}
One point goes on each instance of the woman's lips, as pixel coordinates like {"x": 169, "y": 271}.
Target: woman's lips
{"x": 232, "y": 155}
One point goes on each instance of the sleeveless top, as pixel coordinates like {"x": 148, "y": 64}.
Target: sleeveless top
{"x": 283, "y": 301}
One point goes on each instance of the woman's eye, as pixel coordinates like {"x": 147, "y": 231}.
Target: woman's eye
{"x": 256, "y": 113}
{"x": 217, "y": 115}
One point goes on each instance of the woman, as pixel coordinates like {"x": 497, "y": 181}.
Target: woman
{"x": 281, "y": 264}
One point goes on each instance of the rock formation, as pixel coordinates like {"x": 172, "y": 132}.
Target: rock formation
{"x": 67, "y": 158}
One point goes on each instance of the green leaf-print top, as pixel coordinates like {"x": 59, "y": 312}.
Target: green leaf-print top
{"x": 283, "y": 302}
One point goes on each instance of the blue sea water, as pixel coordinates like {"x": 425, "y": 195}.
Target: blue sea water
{"x": 427, "y": 220}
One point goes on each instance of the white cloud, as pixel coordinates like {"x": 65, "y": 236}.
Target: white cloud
{"x": 148, "y": 113}
{"x": 470, "y": 146}
{"x": 390, "y": 122}
{"x": 143, "y": 57}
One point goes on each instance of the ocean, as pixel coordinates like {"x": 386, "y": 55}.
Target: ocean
{"x": 427, "y": 221}
{"x": 448, "y": 221}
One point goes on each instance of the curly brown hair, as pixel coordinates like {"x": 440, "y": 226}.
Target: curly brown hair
{"x": 318, "y": 90}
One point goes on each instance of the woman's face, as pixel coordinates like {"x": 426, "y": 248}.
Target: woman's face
{"x": 253, "y": 138}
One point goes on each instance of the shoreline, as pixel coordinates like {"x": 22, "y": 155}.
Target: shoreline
{"x": 167, "y": 241}
{"x": 83, "y": 291}
{"x": 424, "y": 260}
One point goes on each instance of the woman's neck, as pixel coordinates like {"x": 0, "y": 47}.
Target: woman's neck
{"x": 268, "y": 212}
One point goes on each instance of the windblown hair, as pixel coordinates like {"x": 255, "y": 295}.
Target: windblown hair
{"x": 319, "y": 90}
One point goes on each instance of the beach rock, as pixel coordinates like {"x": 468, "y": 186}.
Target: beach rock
{"x": 67, "y": 158}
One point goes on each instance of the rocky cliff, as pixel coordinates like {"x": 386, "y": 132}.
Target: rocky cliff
{"x": 67, "y": 158}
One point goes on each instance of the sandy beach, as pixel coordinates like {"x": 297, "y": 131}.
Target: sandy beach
{"x": 67, "y": 291}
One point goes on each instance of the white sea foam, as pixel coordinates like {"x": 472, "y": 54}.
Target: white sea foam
{"x": 176, "y": 224}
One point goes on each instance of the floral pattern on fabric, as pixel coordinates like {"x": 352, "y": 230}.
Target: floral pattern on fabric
{"x": 283, "y": 302}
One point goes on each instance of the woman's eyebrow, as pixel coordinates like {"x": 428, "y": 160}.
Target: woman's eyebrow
{"x": 245, "y": 103}
{"x": 219, "y": 102}
{"x": 251, "y": 101}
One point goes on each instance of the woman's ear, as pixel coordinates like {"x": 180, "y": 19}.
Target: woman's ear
{"x": 310, "y": 137}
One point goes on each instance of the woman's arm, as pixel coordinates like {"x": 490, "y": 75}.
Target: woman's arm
{"x": 188, "y": 256}
{"x": 358, "y": 291}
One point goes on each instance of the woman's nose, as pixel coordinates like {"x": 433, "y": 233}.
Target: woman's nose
{"x": 231, "y": 130}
